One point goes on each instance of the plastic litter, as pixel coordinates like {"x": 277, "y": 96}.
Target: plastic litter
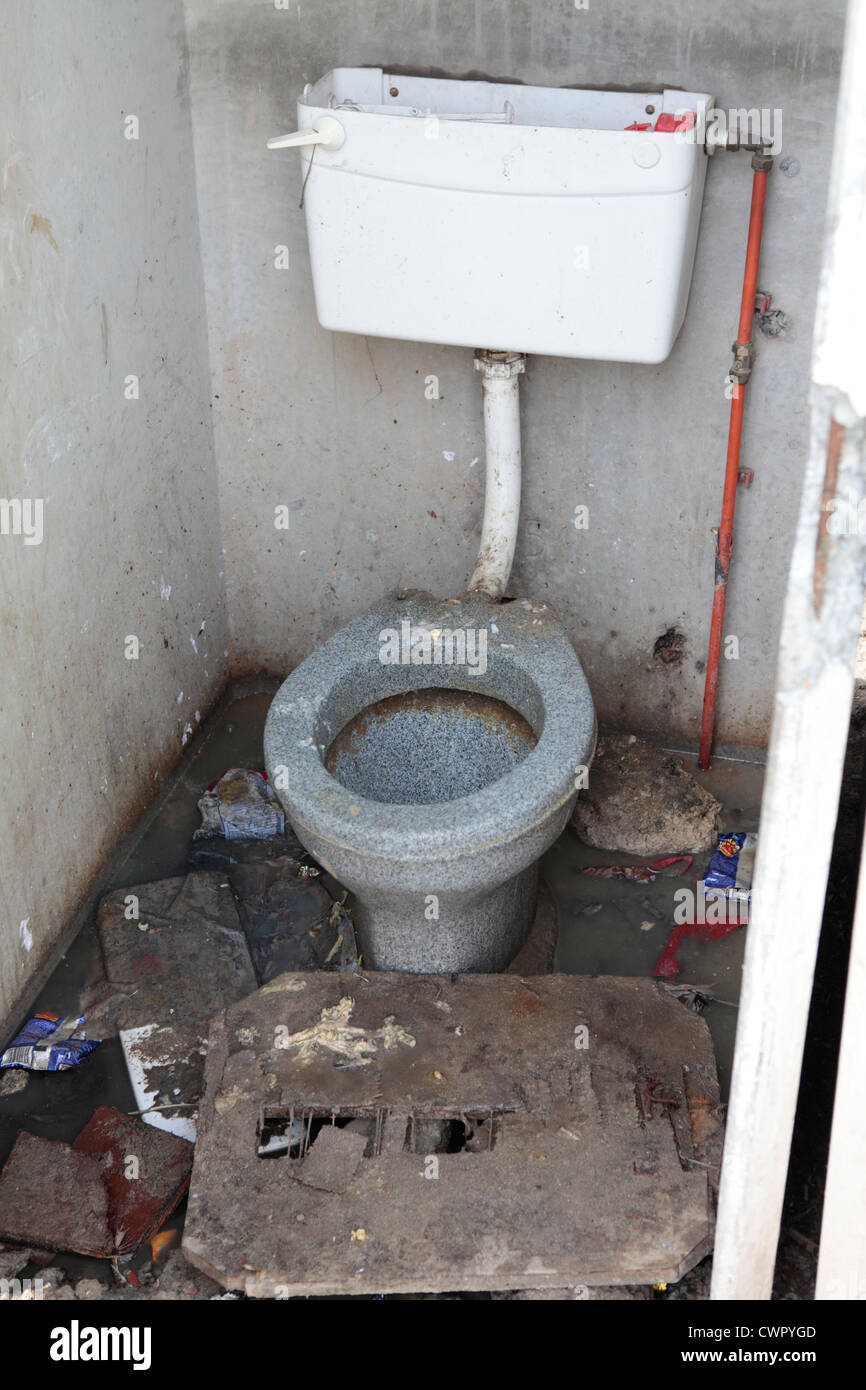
{"x": 643, "y": 873}
{"x": 240, "y": 805}
{"x": 670, "y": 121}
{"x": 720, "y": 903}
{"x": 668, "y": 965}
{"x": 48, "y": 1042}
{"x": 732, "y": 865}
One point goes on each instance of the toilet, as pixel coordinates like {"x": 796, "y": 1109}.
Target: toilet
{"x": 430, "y": 752}
{"x": 427, "y": 755}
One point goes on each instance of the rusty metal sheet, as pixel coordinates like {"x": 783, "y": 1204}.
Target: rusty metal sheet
{"x": 517, "y": 1133}
{"x": 144, "y": 1170}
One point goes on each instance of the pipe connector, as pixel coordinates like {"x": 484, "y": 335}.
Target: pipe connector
{"x": 730, "y": 139}
{"x": 500, "y": 366}
{"x": 744, "y": 360}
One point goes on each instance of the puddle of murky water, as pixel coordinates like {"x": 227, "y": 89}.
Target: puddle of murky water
{"x": 613, "y": 927}
{"x": 233, "y": 738}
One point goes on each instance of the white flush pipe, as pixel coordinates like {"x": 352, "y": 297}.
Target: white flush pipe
{"x": 500, "y": 373}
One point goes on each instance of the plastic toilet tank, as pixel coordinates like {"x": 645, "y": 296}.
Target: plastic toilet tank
{"x": 481, "y": 214}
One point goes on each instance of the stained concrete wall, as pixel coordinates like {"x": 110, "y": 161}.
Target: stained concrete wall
{"x": 153, "y": 258}
{"x": 338, "y": 427}
{"x": 101, "y": 281}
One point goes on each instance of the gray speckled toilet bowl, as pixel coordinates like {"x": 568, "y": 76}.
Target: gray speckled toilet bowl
{"x": 437, "y": 806}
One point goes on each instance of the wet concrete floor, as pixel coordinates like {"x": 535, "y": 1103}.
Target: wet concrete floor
{"x": 601, "y": 927}
{"x": 613, "y": 927}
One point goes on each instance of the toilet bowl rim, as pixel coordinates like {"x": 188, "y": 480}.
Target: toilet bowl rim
{"x": 514, "y": 806}
{"x": 504, "y": 810}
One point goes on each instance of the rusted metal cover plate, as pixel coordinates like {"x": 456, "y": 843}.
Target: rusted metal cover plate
{"x": 604, "y": 1155}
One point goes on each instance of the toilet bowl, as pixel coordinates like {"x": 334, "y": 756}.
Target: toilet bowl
{"x": 427, "y": 755}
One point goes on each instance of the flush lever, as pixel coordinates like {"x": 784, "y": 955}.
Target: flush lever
{"x": 326, "y": 132}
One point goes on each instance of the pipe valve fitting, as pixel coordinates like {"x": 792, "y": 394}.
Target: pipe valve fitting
{"x": 744, "y": 360}
{"x": 501, "y": 366}
{"x": 762, "y": 161}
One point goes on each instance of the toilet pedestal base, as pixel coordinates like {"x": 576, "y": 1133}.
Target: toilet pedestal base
{"x": 450, "y": 934}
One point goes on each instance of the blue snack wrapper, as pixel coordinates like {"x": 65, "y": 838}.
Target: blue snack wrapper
{"x": 48, "y": 1042}
{"x": 731, "y": 866}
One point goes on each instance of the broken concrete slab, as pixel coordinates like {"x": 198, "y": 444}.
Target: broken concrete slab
{"x": 175, "y": 951}
{"x": 331, "y": 1163}
{"x": 53, "y": 1197}
{"x": 165, "y": 1063}
{"x": 12, "y": 1261}
{"x": 581, "y": 1145}
{"x": 102, "y": 1196}
{"x": 641, "y": 800}
{"x": 290, "y": 907}
{"x": 177, "y": 944}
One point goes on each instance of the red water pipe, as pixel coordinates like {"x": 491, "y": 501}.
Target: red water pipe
{"x": 741, "y": 370}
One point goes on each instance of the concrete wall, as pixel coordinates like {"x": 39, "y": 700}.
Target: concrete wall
{"x": 101, "y": 280}
{"x": 338, "y": 426}
{"x": 103, "y": 239}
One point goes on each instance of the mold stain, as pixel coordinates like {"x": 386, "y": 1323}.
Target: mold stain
{"x": 37, "y": 223}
